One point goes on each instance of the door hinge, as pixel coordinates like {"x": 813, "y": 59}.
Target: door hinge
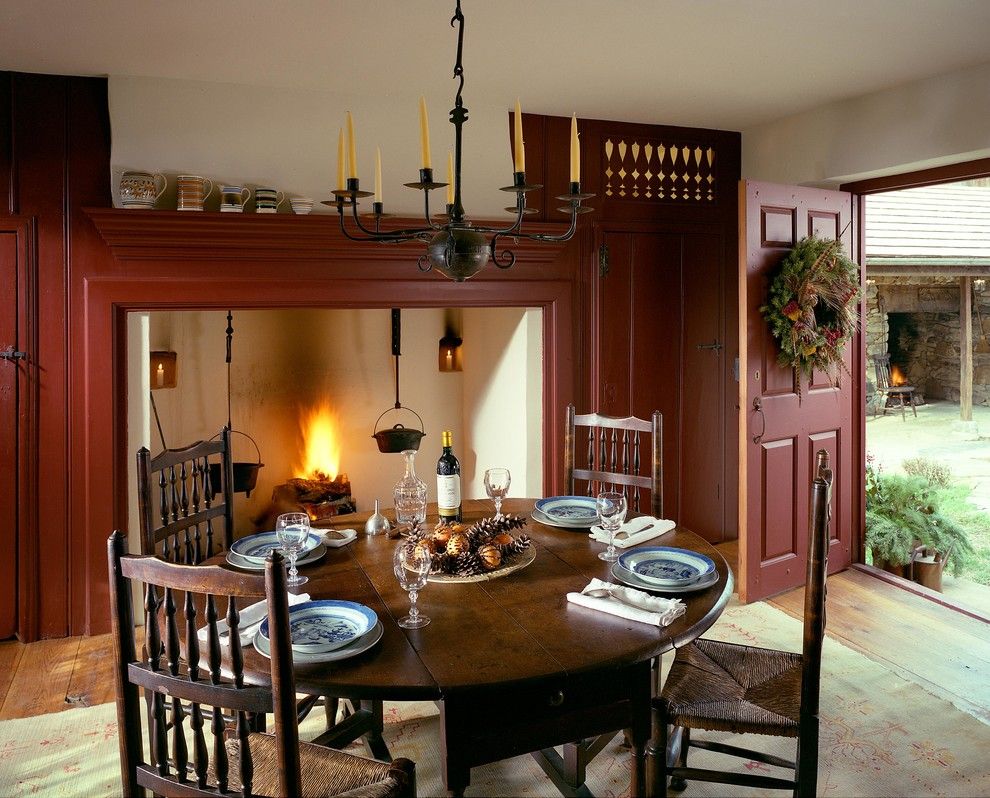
{"x": 603, "y": 260}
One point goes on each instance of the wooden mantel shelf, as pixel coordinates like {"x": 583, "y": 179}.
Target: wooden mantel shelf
{"x": 157, "y": 235}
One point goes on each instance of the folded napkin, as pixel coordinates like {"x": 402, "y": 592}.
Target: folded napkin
{"x": 251, "y": 619}
{"x": 634, "y": 532}
{"x": 627, "y": 602}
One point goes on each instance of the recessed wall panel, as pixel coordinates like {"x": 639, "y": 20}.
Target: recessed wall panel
{"x": 779, "y": 471}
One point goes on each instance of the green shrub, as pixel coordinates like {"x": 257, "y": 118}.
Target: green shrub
{"x": 936, "y": 474}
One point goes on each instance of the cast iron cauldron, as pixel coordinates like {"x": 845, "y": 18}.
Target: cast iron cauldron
{"x": 399, "y": 437}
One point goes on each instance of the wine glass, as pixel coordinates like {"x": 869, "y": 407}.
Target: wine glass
{"x": 292, "y": 530}
{"x": 497, "y": 481}
{"x": 612, "y": 510}
{"x": 412, "y": 566}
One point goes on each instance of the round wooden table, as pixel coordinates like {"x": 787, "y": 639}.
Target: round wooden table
{"x": 516, "y": 667}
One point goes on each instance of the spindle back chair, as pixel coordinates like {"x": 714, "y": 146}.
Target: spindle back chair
{"x": 208, "y": 687}
{"x": 185, "y": 517}
{"x": 614, "y": 455}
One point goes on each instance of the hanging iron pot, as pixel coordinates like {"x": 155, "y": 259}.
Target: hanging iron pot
{"x": 398, "y": 438}
{"x": 245, "y": 474}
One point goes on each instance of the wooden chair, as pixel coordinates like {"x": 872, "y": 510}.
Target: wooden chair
{"x": 614, "y": 456}
{"x": 183, "y": 759}
{"x": 881, "y": 368}
{"x": 193, "y": 518}
{"x": 742, "y": 689}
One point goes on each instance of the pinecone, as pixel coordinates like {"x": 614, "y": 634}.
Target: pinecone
{"x": 467, "y": 564}
{"x": 520, "y": 544}
{"x": 490, "y": 527}
{"x": 443, "y": 564}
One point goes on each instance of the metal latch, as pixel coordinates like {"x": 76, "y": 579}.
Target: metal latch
{"x": 713, "y": 345}
{"x": 11, "y": 354}
{"x": 603, "y": 260}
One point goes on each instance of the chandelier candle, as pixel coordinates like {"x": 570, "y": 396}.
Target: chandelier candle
{"x": 448, "y": 482}
{"x": 341, "y": 185}
{"x": 378, "y": 175}
{"x": 457, "y": 247}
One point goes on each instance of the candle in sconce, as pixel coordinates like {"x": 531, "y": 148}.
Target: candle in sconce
{"x": 424, "y": 133}
{"x": 450, "y": 178}
{"x": 378, "y": 174}
{"x": 160, "y": 375}
{"x": 575, "y": 152}
{"x": 351, "y": 147}
{"x": 450, "y": 358}
{"x": 519, "y": 159}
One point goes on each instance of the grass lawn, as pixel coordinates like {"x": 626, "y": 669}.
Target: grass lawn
{"x": 977, "y": 523}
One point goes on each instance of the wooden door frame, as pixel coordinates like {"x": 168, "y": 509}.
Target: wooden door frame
{"x": 939, "y": 175}
{"x": 26, "y": 467}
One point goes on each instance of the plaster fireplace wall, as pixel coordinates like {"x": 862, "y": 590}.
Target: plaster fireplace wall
{"x": 286, "y": 361}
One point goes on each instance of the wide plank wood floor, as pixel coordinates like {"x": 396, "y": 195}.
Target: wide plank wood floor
{"x": 944, "y": 651}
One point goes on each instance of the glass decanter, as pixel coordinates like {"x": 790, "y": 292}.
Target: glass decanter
{"x": 410, "y": 494}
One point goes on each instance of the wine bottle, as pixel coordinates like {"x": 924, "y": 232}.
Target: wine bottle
{"x": 448, "y": 482}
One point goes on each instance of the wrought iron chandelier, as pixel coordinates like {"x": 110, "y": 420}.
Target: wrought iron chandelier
{"x": 454, "y": 247}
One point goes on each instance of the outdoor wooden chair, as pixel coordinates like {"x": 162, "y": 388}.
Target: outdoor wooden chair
{"x": 881, "y": 368}
{"x": 193, "y": 518}
{"x": 742, "y": 689}
{"x": 183, "y": 758}
{"x": 614, "y": 456}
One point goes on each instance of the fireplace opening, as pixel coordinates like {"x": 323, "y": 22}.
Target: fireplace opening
{"x": 906, "y": 344}
{"x": 307, "y": 385}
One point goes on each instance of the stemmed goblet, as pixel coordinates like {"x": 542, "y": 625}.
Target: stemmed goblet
{"x": 292, "y": 530}
{"x": 497, "y": 481}
{"x": 412, "y": 566}
{"x": 612, "y": 510}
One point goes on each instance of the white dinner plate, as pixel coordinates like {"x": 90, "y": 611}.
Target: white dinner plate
{"x": 235, "y": 559}
{"x": 620, "y": 574}
{"x": 359, "y": 646}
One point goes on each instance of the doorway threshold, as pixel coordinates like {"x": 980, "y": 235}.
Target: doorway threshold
{"x": 925, "y": 592}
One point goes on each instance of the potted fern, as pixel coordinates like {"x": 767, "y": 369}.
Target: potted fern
{"x": 906, "y": 530}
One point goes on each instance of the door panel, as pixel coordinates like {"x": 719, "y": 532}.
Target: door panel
{"x": 785, "y": 424}
{"x": 8, "y": 435}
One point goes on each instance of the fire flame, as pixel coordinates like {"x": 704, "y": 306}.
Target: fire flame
{"x": 897, "y": 377}
{"x": 321, "y": 443}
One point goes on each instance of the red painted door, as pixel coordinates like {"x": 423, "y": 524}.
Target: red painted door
{"x": 780, "y": 430}
{"x": 8, "y": 435}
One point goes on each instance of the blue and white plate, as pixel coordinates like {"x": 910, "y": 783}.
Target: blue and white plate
{"x": 667, "y": 567}
{"x": 259, "y": 565}
{"x": 543, "y": 518}
{"x": 257, "y": 547}
{"x": 621, "y": 575}
{"x": 573, "y": 510}
{"x": 263, "y": 646}
{"x": 320, "y": 626}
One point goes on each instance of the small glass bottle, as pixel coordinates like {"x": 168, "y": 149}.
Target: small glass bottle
{"x": 410, "y": 493}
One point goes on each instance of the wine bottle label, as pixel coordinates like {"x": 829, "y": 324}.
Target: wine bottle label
{"x": 448, "y": 492}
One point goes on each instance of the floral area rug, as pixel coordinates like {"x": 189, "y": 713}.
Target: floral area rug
{"x": 881, "y": 736}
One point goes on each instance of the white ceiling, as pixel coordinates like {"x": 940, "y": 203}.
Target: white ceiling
{"x": 712, "y": 63}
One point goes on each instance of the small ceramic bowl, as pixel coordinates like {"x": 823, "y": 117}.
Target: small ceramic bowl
{"x": 301, "y": 205}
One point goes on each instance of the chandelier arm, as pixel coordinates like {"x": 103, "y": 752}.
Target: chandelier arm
{"x": 424, "y": 259}
{"x": 507, "y": 258}
{"x": 513, "y": 228}
{"x": 565, "y": 236}
{"x": 392, "y": 236}
{"x": 426, "y": 211}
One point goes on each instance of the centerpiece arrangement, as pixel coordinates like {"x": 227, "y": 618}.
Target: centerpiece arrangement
{"x": 487, "y": 548}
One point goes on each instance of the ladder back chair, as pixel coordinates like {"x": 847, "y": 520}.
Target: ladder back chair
{"x": 200, "y": 752}
{"x": 881, "y": 369}
{"x": 742, "y": 689}
{"x": 185, "y": 517}
{"x": 614, "y": 454}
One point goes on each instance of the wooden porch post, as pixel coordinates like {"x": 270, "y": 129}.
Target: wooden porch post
{"x": 966, "y": 348}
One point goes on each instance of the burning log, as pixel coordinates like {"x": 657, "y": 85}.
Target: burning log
{"x": 319, "y": 496}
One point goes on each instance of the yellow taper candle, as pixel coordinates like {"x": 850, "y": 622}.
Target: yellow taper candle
{"x": 340, "y": 161}
{"x": 519, "y": 161}
{"x": 450, "y": 178}
{"x": 424, "y": 133}
{"x": 575, "y": 152}
{"x": 378, "y": 174}
{"x": 351, "y": 147}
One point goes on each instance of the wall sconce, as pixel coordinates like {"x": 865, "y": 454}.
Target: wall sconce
{"x": 163, "y": 370}
{"x": 450, "y": 353}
